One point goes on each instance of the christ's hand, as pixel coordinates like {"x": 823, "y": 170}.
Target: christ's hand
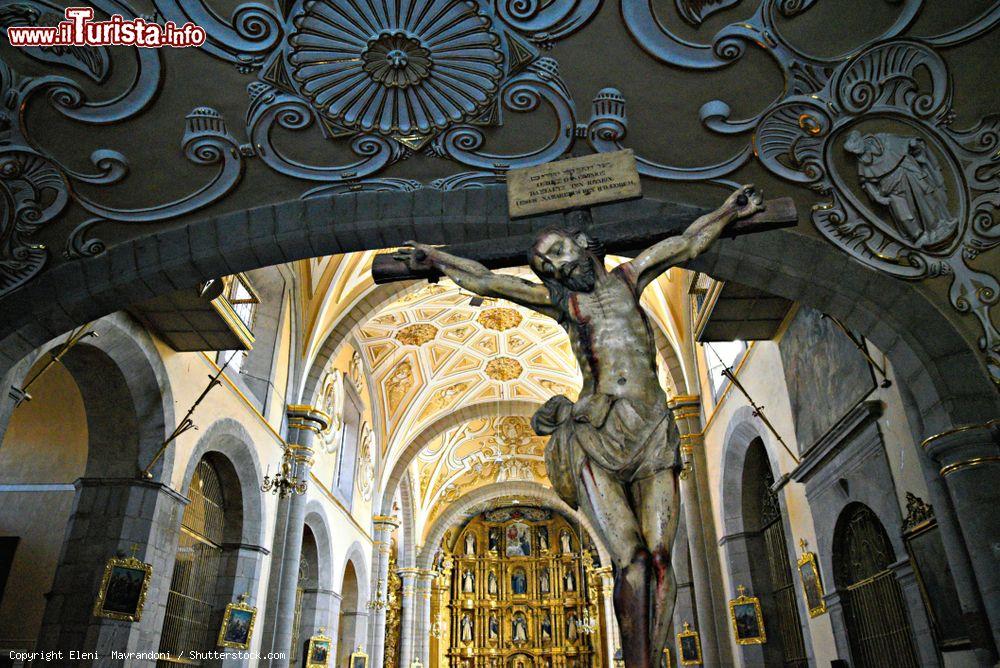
{"x": 415, "y": 256}
{"x": 745, "y": 201}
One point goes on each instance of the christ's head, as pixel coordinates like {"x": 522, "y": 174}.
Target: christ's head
{"x": 566, "y": 258}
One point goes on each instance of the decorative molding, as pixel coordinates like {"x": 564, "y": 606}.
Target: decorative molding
{"x": 836, "y": 439}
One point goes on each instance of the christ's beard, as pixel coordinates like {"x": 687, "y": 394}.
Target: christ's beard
{"x": 580, "y": 277}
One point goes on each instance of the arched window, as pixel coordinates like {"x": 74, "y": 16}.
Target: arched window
{"x": 191, "y": 622}
{"x": 877, "y": 625}
{"x": 770, "y": 567}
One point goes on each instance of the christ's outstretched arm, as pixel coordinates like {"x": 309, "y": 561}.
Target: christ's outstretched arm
{"x": 659, "y": 257}
{"x": 476, "y": 278}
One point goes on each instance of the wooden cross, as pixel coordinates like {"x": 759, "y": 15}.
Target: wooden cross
{"x": 618, "y": 238}
{"x": 134, "y": 548}
{"x": 687, "y": 627}
{"x": 741, "y": 590}
{"x": 803, "y": 543}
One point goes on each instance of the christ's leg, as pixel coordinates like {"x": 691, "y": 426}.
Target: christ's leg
{"x": 657, "y": 503}
{"x": 606, "y": 504}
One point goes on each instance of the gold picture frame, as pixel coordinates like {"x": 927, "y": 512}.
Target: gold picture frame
{"x": 318, "y": 650}
{"x": 237, "y": 624}
{"x": 359, "y": 659}
{"x": 812, "y": 583}
{"x": 688, "y": 647}
{"x": 747, "y": 619}
{"x": 665, "y": 660}
{"x": 123, "y": 589}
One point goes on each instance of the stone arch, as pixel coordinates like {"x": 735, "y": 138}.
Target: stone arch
{"x": 318, "y": 522}
{"x": 479, "y": 499}
{"x": 746, "y": 439}
{"x": 951, "y": 385}
{"x": 408, "y": 547}
{"x": 230, "y": 439}
{"x": 741, "y": 431}
{"x": 523, "y": 407}
{"x": 352, "y": 627}
{"x": 353, "y": 317}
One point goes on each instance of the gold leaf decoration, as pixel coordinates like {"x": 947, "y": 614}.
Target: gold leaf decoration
{"x": 499, "y": 319}
{"x": 503, "y": 368}
{"x": 416, "y": 335}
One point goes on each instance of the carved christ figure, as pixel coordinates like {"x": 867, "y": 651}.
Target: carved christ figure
{"x": 614, "y": 454}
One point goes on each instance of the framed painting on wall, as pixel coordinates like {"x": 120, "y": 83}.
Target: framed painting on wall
{"x": 688, "y": 647}
{"x": 237, "y": 624}
{"x": 359, "y": 659}
{"x": 123, "y": 589}
{"x": 747, "y": 619}
{"x": 812, "y": 584}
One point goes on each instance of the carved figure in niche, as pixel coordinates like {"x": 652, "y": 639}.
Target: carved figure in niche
{"x": 519, "y": 582}
{"x": 569, "y": 581}
{"x": 543, "y": 539}
{"x": 546, "y": 627}
{"x": 902, "y": 174}
{"x": 468, "y": 582}
{"x": 615, "y": 452}
{"x": 564, "y": 540}
{"x": 470, "y": 545}
{"x": 494, "y": 539}
{"x": 519, "y": 628}
{"x": 494, "y": 626}
{"x": 492, "y": 587}
{"x": 544, "y": 584}
{"x": 466, "y": 630}
{"x": 571, "y": 628}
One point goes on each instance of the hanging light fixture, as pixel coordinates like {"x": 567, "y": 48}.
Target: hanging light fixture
{"x": 377, "y": 603}
{"x": 284, "y": 483}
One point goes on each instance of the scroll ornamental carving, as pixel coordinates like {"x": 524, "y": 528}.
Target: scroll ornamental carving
{"x": 918, "y": 201}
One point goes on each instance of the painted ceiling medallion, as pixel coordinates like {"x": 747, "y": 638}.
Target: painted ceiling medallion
{"x": 499, "y": 319}
{"x": 503, "y": 368}
{"x": 416, "y": 335}
{"x": 400, "y": 67}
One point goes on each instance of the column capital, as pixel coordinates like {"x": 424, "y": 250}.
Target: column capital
{"x": 386, "y": 521}
{"x": 306, "y": 417}
{"x": 965, "y": 446}
{"x": 687, "y": 414}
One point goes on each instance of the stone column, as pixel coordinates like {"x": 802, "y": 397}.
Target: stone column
{"x": 605, "y": 591}
{"x": 110, "y": 516}
{"x": 969, "y": 458}
{"x": 687, "y": 414}
{"x": 304, "y": 424}
{"x": 333, "y": 630}
{"x": 422, "y": 625}
{"x": 408, "y": 576}
{"x": 384, "y": 525}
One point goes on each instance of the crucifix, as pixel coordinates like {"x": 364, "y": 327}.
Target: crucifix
{"x": 614, "y": 453}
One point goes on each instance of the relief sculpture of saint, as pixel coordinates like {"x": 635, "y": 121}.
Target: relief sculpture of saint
{"x": 614, "y": 453}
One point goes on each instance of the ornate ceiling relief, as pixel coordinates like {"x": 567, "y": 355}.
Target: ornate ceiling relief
{"x": 431, "y": 352}
{"x": 921, "y": 201}
{"x": 404, "y": 80}
{"x": 476, "y": 453}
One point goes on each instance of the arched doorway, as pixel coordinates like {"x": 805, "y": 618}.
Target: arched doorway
{"x": 197, "y": 593}
{"x": 874, "y": 611}
{"x": 770, "y": 568}
{"x": 347, "y": 633}
{"x": 305, "y": 595}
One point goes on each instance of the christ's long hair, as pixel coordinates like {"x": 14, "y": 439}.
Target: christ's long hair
{"x": 558, "y": 292}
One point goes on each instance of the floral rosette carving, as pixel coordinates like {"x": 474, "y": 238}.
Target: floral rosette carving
{"x": 397, "y": 72}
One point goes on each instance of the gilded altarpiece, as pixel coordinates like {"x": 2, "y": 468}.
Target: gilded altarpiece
{"x": 521, "y": 593}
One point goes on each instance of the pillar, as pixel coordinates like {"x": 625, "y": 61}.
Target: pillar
{"x": 408, "y": 577}
{"x": 110, "y": 516}
{"x": 969, "y": 461}
{"x": 422, "y": 626}
{"x": 605, "y": 591}
{"x": 693, "y": 485}
{"x": 384, "y": 526}
{"x": 304, "y": 424}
